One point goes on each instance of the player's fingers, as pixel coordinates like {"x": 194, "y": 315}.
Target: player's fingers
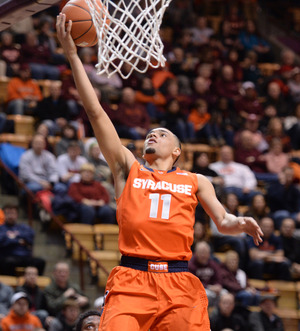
{"x": 69, "y": 27}
{"x": 59, "y": 23}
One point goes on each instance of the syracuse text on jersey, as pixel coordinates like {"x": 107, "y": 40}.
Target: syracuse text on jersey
{"x": 162, "y": 185}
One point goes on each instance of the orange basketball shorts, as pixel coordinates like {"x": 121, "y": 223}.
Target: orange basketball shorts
{"x": 157, "y": 301}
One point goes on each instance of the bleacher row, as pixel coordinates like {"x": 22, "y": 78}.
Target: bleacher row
{"x": 101, "y": 240}
{"x": 24, "y": 130}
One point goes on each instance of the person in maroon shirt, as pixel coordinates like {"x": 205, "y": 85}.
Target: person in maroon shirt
{"x": 246, "y": 153}
{"x": 203, "y": 266}
{"x": 132, "y": 120}
{"x": 91, "y": 197}
{"x": 10, "y": 53}
{"x": 248, "y": 103}
{"x": 226, "y": 86}
{"x": 38, "y": 56}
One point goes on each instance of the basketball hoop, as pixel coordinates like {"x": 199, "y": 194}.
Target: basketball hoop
{"x": 128, "y": 35}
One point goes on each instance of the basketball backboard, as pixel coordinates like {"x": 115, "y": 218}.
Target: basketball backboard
{"x": 13, "y": 11}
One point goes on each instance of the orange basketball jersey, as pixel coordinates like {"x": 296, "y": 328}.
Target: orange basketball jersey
{"x": 156, "y": 213}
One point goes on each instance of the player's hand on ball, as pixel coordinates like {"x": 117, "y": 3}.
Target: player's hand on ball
{"x": 64, "y": 35}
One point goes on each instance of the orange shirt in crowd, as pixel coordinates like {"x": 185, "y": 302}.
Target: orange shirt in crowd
{"x": 14, "y": 322}
{"x": 2, "y": 218}
{"x": 157, "y": 99}
{"x": 198, "y": 120}
{"x": 19, "y": 89}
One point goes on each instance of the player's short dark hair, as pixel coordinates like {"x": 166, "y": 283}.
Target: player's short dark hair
{"x": 83, "y": 316}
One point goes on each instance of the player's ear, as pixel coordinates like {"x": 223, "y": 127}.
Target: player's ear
{"x": 177, "y": 152}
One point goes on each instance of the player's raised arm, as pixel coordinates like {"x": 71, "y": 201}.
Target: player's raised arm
{"x": 226, "y": 223}
{"x": 116, "y": 155}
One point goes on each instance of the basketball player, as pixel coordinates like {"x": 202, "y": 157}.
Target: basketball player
{"x": 152, "y": 288}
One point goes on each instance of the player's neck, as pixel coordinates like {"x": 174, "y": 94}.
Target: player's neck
{"x": 159, "y": 164}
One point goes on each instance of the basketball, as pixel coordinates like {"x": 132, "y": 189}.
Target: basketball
{"x": 83, "y": 30}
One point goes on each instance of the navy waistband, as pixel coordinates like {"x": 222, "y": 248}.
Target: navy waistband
{"x": 153, "y": 266}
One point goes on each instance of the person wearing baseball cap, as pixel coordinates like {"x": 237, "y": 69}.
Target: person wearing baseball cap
{"x": 266, "y": 319}
{"x": 19, "y": 318}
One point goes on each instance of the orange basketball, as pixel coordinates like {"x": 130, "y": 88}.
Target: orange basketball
{"x": 83, "y": 30}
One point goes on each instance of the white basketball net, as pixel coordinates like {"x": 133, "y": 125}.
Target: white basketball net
{"x": 128, "y": 35}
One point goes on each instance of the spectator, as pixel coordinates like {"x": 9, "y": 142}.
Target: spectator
{"x": 294, "y": 129}
{"x": 61, "y": 289}
{"x": 251, "y": 124}
{"x": 267, "y": 261}
{"x": 227, "y": 36}
{"x": 91, "y": 197}
{"x": 38, "y": 304}
{"x": 10, "y": 53}
{"x": 70, "y": 94}
{"x": 227, "y": 118}
{"x": 68, "y": 166}
{"x": 201, "y": 166}
{"x": 248, "y": 102}
{"x": 46, "y": 37}
{"x": 6, "y": 293}
{"x": 208, "y": 271}
{"x": 153, "y": 99}
{"x": 182, "y": 65}
{"x": 19, "y": 318}
{"x": 291, "y": 245}
{"x": 223, "y": 316}
{"x": 284, "y": 198}
{"x": 222, "y": 242}
{"x": 277, "y": 99}
{"x": 202, "y": 91}
{"x": 247, "y": 154}
{"x": 88, "y": 321}
{"x": 266, "y": 319}
{"x": 38, "y": 56}
{"x": 258, "y": 208}
{"x": 236, "y": 282}
{"x": 133, "y": 119}
{"x": 232, "y": 59}
{"x": 294, "y": 85}
{"x": 201, "y": 233}
{"x": 251, "y": 71}
{"x": 43, "y": 130}
{"x": 201, "y": 32}
{"x": 238, "y": 178}
{"x": 38, "y": 169}
{"x": 226, "y": 86}
{"x": 175, "y": 120}
{"x": 94, "y": 156}
{"x": 288, "y": 63}
{"x": 66, "y": 319}
{"x": 173, "y": 91}
{"x": 23, "y": 93}
{"x": 53, "y": 110}
{"x": 275, "y": 130}
{"x": 250, "y": 40}
{"x": 235, "y": 19}
{"x": 16, "y": 244}
{"x": 68, "y": 134}
{"x": 203, "y": 126}
{"x": 109, "y": 86}
{"x": 276, "y": 159}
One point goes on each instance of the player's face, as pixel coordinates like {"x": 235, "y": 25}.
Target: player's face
{"x": 91, "y": 323}
{"x": 160, "y": 142}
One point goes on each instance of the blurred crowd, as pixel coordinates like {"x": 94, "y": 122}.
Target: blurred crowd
{"x": 215, "y": 90}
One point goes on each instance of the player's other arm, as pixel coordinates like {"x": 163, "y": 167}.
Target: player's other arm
{"x": 116, "y": 155}
{"x": 226, "y": 223}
